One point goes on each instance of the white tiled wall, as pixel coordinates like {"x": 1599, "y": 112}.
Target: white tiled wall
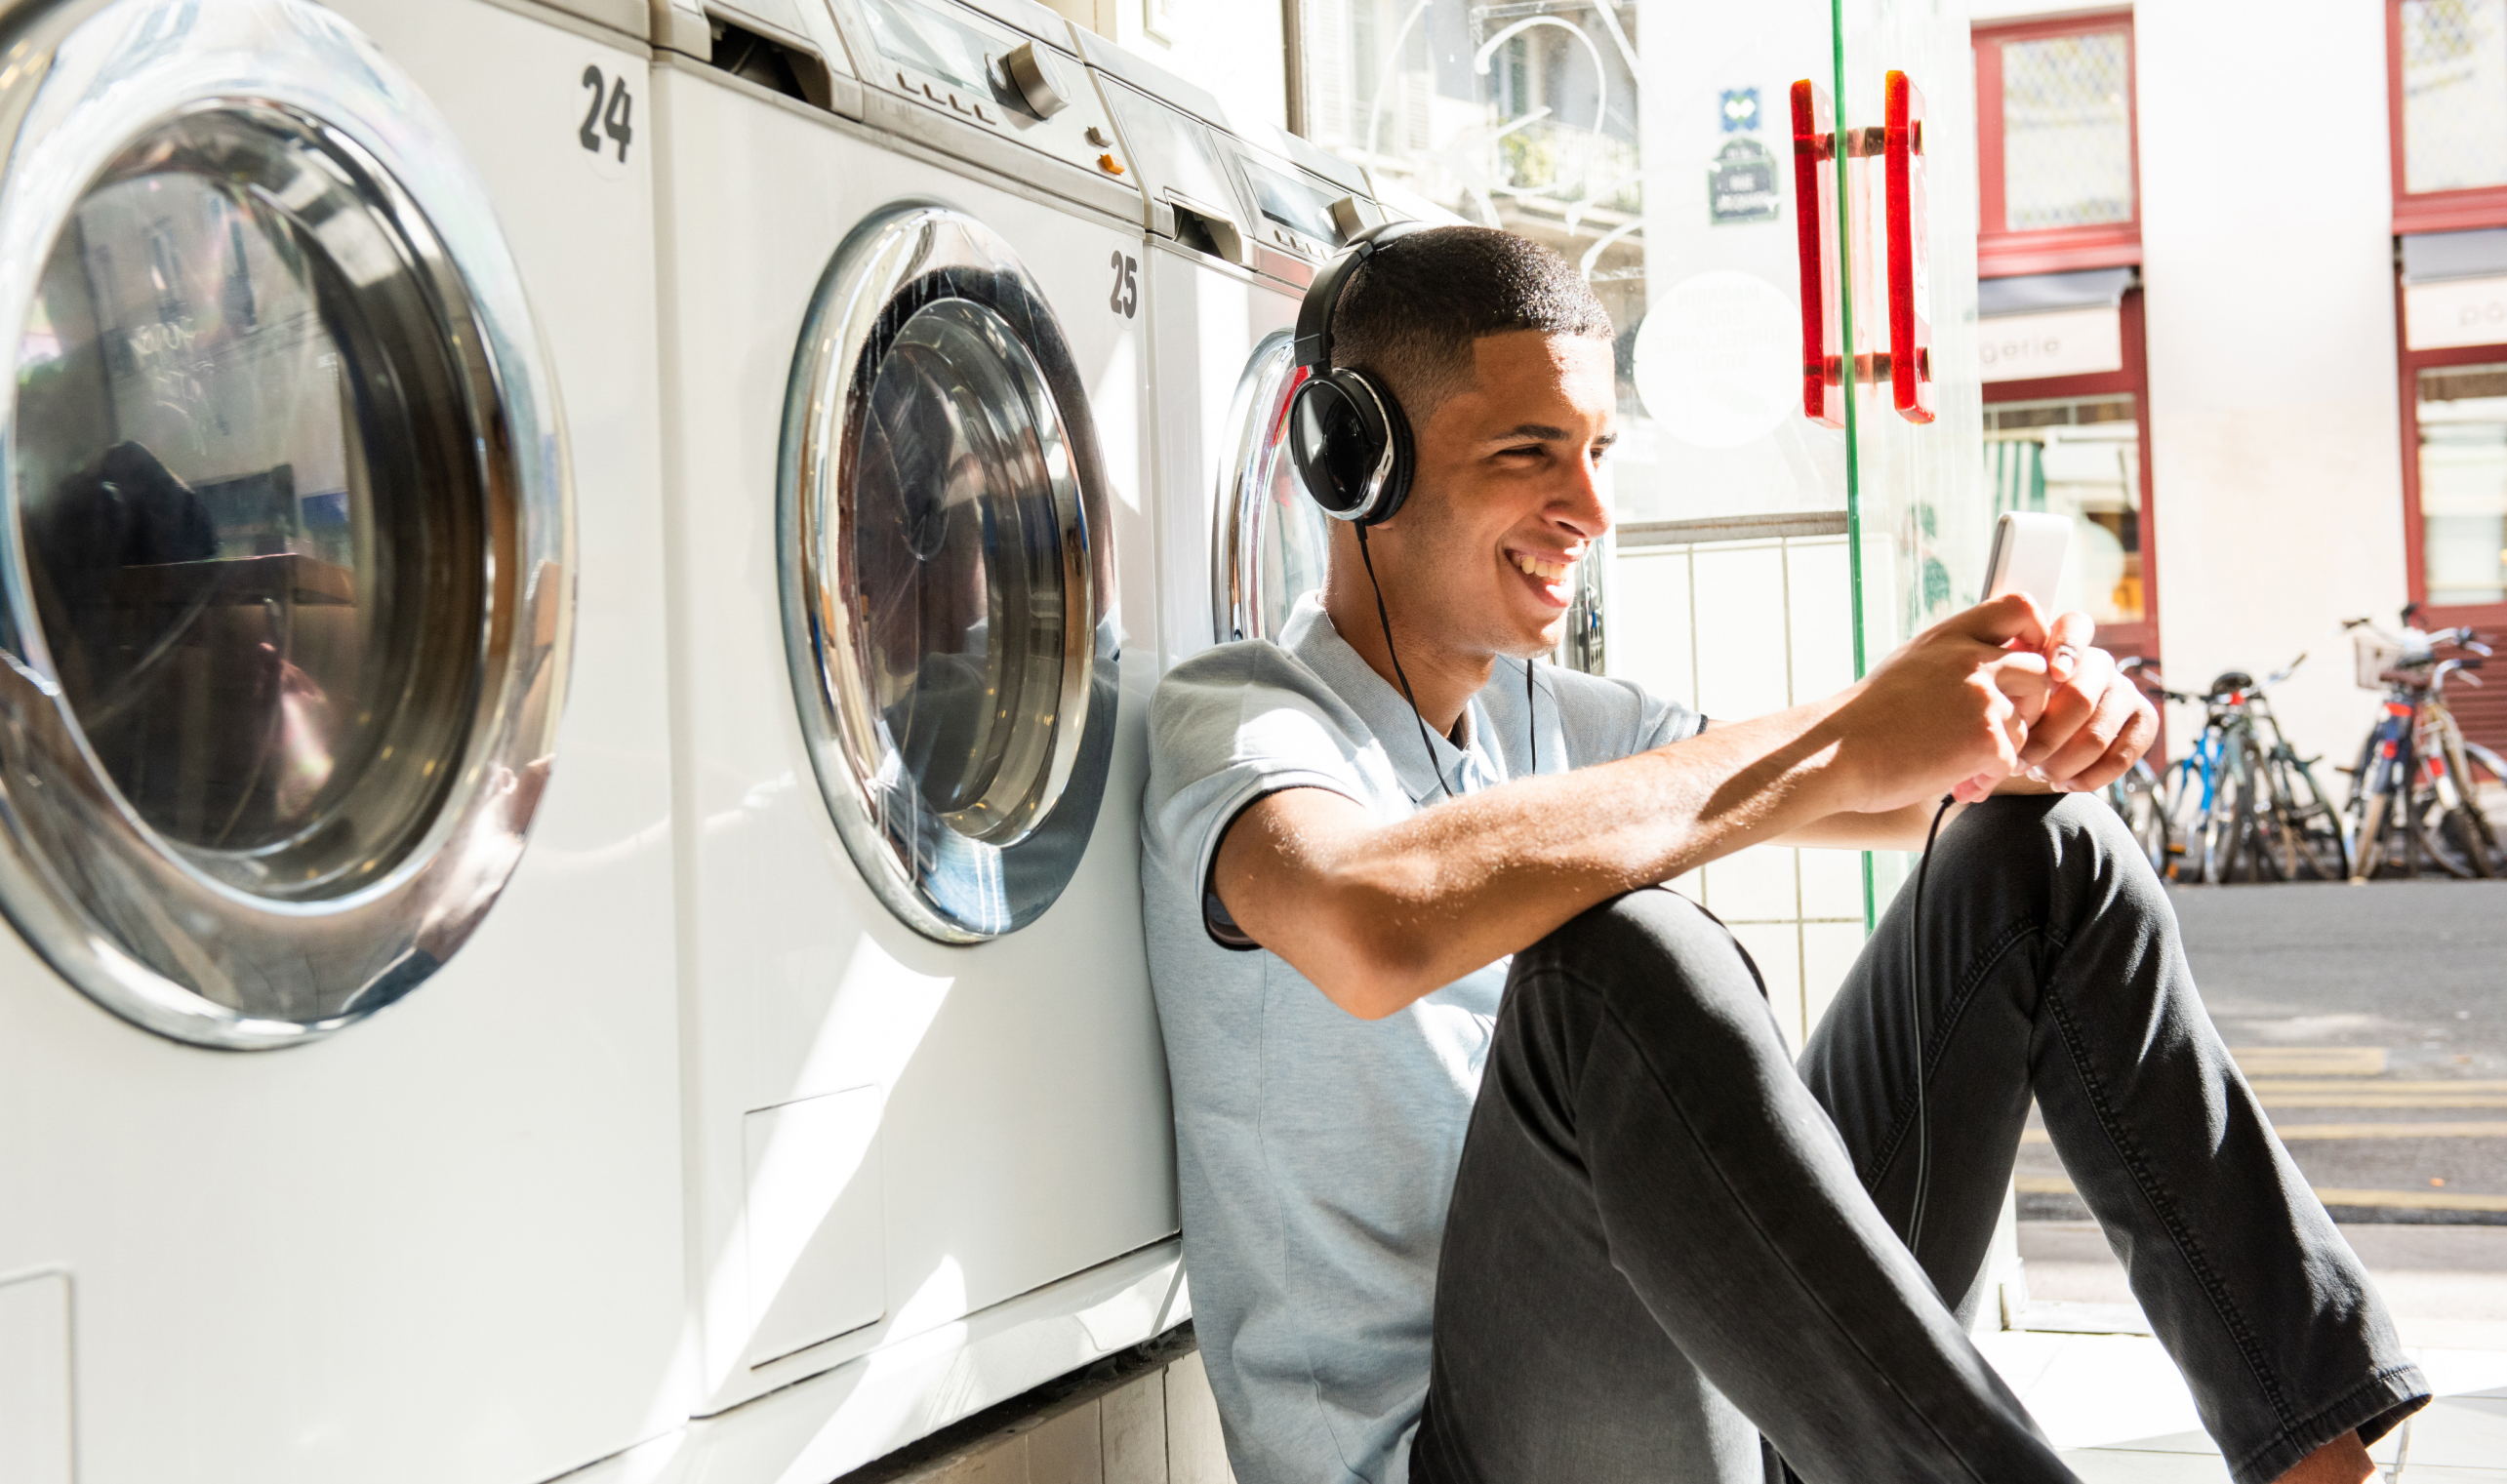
{"x": 1738, "y": 629}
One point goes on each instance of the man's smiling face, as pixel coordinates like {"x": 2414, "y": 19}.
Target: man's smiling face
{"x": 1504, "y": 498}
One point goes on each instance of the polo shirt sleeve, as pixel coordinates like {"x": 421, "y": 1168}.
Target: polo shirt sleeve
{"x": 1227, "y": 727}
{"x": 1661, "y": 721}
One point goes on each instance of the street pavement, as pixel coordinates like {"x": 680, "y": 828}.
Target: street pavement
{"x": 2371, "y": 1021}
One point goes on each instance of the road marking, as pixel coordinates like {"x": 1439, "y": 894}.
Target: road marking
{"x": 2399, "y": 1085}
{"x": 2486, "y": 1129}
{"x": 2489, "y": 1128}
{"x": 2377, "y": 1099}
{"x": 2410, "y": 1200}
{"x": 2309, "y": 1060}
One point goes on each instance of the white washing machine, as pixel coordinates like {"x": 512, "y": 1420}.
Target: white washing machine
{"x": 342, "y": 1137}
{"x": 1238, "y": 219}
{"x": 911, "y": 651}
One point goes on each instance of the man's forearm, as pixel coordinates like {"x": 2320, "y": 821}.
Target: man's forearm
{"x": 1893, "y": 829}
{"x": 1411, "y": 906}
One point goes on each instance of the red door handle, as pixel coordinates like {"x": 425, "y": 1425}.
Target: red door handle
{"x": 1910, "y": 268}
{"x": 1823, "y": 391}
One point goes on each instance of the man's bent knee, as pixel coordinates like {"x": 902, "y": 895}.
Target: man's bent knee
{"x": 1662, "y": 963}
{"x": 2038, "y": 837}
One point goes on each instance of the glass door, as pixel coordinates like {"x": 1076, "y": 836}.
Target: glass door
{"x": 1777, "y": 533}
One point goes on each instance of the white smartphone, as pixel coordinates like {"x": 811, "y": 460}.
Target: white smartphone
{"x": 2029, "y": 549}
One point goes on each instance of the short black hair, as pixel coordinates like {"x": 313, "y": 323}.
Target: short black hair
{"x": 1410, "y": 313}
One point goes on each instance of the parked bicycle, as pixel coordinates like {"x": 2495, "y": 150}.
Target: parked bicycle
{"x": 2440, "y": 816}
{"x": 2242, "y": 804}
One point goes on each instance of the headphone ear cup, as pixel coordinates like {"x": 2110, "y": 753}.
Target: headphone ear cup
{"x": 1397, "y": 477}
{"x": 1341, "y": 428}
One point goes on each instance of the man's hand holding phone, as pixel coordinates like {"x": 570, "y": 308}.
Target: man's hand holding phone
{"x": 2091, "y": 722}
{"x": 1999, "y": 699}
{"x": 2085, "y": 723}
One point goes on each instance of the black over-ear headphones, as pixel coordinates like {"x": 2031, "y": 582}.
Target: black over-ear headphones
{"x": 1347, "y": 437}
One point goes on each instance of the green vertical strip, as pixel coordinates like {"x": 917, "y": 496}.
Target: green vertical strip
{"x": 1847, "y": 368}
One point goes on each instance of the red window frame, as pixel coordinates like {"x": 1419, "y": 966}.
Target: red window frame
{"x": 2001, "y": 253}
{"x": 2118, "y": 639}
{"x": 2430, "y": 211}
{"x": 2487, "y": 617}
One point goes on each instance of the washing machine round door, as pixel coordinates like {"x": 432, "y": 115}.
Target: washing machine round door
{"x": 286, "y": 598}
{"x": 948, "y": 597}
{"x": 1272, "y": 540}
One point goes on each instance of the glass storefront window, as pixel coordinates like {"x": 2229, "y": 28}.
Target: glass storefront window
{"x": 2066, "y": 131}
{"x": 2454, "y": 94}
{"x": 2463, "y": 483}
{"x": 1555, "y": 123}
{"x": 2081, "y": 457}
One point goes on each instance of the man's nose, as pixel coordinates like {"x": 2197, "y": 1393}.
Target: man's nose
{"x": 1582, "y": 505}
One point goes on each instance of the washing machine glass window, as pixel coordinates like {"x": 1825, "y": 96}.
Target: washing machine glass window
{"x": 947, "y": 594}
{"x": 1272, "y": 539}
{"x": 287, "y": 619}
{"x": 255, "y": 600}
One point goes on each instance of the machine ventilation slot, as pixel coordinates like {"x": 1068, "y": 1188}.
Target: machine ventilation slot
{"x": 771, "y": 64}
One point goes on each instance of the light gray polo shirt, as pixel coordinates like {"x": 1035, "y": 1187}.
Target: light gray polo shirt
{"x": 1317, "y": 1150}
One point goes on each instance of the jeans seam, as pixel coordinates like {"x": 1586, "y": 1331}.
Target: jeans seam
{"x": 2195, "y": 1259}
{"x": 2373, "y": 1382}
{"x": 1663, "y": 1087}
{"x": 1902, "y": 1120}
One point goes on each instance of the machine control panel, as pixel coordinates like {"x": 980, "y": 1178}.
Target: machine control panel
{"x": 1299, "y": 218}
{"x": 977, "y": 71}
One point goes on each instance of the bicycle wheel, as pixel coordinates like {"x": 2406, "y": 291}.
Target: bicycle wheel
{"x": 2451, "y": 828}
{"x": 2367, "y": 846}
{"x": 2449, "y": 835}
{"x": 2486, "y": 779}
{"x": 2307, "y": 819}
{"x": 2227, "y": 824}
{"x": 2138, "y": 799}
{"x": 2272, "y": 847}
{"x": 2185, "y": 807}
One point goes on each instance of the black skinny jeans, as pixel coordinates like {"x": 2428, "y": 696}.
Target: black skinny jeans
{"x": 1667, "y": 1241}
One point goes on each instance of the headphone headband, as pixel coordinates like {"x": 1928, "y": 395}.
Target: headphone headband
{"x": 1314, "y": 346}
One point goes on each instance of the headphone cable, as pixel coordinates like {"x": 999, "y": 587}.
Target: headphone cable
{"x": 1383, "y": 619}
{"x": 1532, "y": 733}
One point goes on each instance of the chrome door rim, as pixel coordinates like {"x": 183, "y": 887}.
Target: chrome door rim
{"x": 945, "y": 885}
{"x": 70, "y": 846}
{"x": 1253, "y": 448}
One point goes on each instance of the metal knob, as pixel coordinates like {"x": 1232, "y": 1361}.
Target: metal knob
{"x": 1028, "y": 74}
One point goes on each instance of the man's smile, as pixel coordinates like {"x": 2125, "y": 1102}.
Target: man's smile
{"x": 1546, "y": 573}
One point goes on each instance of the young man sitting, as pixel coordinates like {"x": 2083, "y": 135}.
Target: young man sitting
{"x": 1495, "y": 1169}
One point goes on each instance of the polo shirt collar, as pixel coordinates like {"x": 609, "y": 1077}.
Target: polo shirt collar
{"x": 1309, "y": 635}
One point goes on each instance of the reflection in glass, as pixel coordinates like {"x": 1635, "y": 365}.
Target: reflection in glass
{"x": 963, "y": 488}
{"x": 2066, "y": 131}
{"x": 2454, "y": 94}
{"x": 2080, "y": 458}
{"x": 2463, "y": 483}
{"x": 224, "y": 460}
